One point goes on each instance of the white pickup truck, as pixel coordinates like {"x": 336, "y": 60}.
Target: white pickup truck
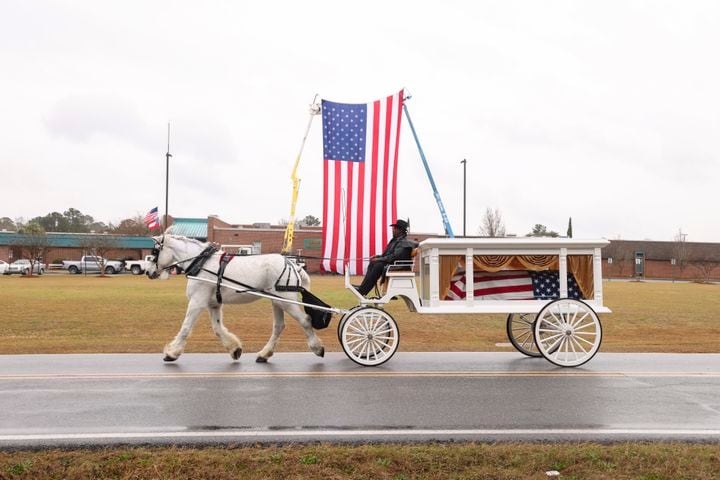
{"x": 138, "y": 267}
{"x": 90, "y": 263}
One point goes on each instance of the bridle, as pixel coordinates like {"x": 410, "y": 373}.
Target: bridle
{"x": 155, "y": 253}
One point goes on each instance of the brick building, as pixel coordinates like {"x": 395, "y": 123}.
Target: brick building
{"x": 266, "y": 238}
{"x": 621, "y": 259}
{"x": 662, "y": 260}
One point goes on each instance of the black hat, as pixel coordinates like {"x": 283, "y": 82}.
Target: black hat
{"x": 401, "y": 224}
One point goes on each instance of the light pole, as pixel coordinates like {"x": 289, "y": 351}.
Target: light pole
{"x": 167, "y": 177}
{"x": 464, "y": 164}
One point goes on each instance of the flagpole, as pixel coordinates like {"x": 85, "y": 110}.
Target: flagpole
{"x": 464, "y": 164}
{"x": 167, "y": 177}
{"x": 446, "y": 222}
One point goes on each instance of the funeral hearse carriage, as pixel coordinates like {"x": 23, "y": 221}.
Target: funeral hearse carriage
{"x": 550, "y": 288}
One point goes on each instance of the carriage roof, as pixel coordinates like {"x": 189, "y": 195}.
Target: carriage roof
{"x": 513, "y": 243}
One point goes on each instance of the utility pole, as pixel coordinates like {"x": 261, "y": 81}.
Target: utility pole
{"x": 464, "y": 164}
{"x": 167, "y": 178}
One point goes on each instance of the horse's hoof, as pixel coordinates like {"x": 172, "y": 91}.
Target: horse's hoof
{"x": 236, "y": 353}
{"x": 261, "y": 360}
{"x": 321, "y": 353}
{"x": 168, "y": 358}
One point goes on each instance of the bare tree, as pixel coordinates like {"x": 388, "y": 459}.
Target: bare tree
{"x": 705, "y": 268}
{"x": 623, "y": 256}
{"x": 100, "y": 246}
{"x": 33, "y": 244}
{"x": 132, "y": 226}
{"x": 285, "y": 221}
{"x": 492, "y": 224}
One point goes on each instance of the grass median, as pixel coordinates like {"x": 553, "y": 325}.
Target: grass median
{"x": 585, "y": 461}
{"x": 123, "y": 313}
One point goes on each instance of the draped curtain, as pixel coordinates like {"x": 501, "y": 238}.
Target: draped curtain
{"x": 579, "y": 265}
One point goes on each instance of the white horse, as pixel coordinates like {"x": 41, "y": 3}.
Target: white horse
{"x": 258, "y": 271}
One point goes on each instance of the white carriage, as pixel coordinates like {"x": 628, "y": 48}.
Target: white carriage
{"x": 561, "y": 326}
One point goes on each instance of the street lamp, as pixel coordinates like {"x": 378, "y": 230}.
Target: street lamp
{"x": 464, "y": 164}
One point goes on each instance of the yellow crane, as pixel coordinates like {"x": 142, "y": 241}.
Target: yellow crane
{"x": 290, "y": 229}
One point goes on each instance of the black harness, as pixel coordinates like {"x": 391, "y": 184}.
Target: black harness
{"x": 197, "y": 264}
{"x": 319, "y": 318}
{"x": 289, "y": 281}
{"x": 224, "y": 260}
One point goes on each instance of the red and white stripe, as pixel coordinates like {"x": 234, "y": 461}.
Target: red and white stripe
{"x": 508, "y": 285}
{"x": 360, "y": 198}
{"x": 152, "y": 219}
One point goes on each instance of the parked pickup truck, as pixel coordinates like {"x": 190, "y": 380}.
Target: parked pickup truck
{"x": 90, "y": 263}
{"x": 138, "y": 267}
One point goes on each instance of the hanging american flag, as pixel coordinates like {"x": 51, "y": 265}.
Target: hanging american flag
{"x": 152, "y": 220}
{"x": 360, "y": 146}
{"x": 512, "y": 285}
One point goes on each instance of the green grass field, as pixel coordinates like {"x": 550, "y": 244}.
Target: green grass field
{"x": 77, "y": 314}
{"x": 69, "y": 314}
{"x": 585, "y": 461}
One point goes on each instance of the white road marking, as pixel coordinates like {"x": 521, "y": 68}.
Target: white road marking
{"x": 359, "y": 374}
{"x": 254, "y": 434}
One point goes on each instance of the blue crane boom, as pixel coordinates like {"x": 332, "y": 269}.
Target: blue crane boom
{"x": 446, "y": 222}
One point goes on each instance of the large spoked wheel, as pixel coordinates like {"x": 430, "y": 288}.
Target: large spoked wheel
{"x": 567, "y": 332}
{"x": 342, "y": 321}
{"x": 369, "y": 336}
{"x": 520, "y": 333}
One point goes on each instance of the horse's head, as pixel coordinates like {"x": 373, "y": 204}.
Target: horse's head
{"x": 162, "y": 258}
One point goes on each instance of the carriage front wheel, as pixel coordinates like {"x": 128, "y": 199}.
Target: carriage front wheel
{"x": 369, "y": 336}
{"x": 519, "y": 328}
{"x": 567, "y": 332}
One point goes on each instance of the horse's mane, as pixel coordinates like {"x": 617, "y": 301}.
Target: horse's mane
{"x": 187, "y": 240}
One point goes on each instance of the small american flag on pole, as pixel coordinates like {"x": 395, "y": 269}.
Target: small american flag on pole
{"x": 360, "y": 146}
{"x": 152, "y": 220}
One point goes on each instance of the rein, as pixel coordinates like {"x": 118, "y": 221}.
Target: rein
{"x": 198, "y": 261}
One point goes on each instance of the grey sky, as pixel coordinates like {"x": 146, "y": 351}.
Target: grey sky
{"x": 603, "y": 111}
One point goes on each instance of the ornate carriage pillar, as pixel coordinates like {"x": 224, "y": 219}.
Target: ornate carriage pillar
{"x": 434, "y": 278}
{"x": 469, "y": 278}
{"x": 563, "y": 273}
{"x": 597, "y": 276}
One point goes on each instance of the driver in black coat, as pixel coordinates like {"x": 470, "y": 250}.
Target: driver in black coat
{"x": 399, "y": 248}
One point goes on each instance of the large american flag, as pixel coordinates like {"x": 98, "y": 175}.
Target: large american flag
{"x": 360, "y": 146}
{"x": 513, "y": 285}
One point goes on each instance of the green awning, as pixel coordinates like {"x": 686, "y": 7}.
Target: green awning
{"x": 75, "y": 240}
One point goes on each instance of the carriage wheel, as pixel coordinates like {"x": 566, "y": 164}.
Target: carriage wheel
{"x": 520, "y": 333}
{"x": 369, "y": 336}
{"x": 342, "y": 321}
{"x": 567, "y": 332}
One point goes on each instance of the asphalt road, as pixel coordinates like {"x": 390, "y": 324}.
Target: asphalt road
{"x": 70, "y": 400}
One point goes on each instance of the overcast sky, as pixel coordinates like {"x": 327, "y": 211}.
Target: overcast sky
{"x": 605, "y": 111}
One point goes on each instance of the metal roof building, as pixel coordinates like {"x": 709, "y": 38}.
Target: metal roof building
{"x": 71, "y": 246}
{"x": 196, "y": 228}
{"x": 75, "y": 240}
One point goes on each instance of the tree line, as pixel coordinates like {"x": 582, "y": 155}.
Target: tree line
{"x": 492, "y": 225}
{"x": 73, "y": 220}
